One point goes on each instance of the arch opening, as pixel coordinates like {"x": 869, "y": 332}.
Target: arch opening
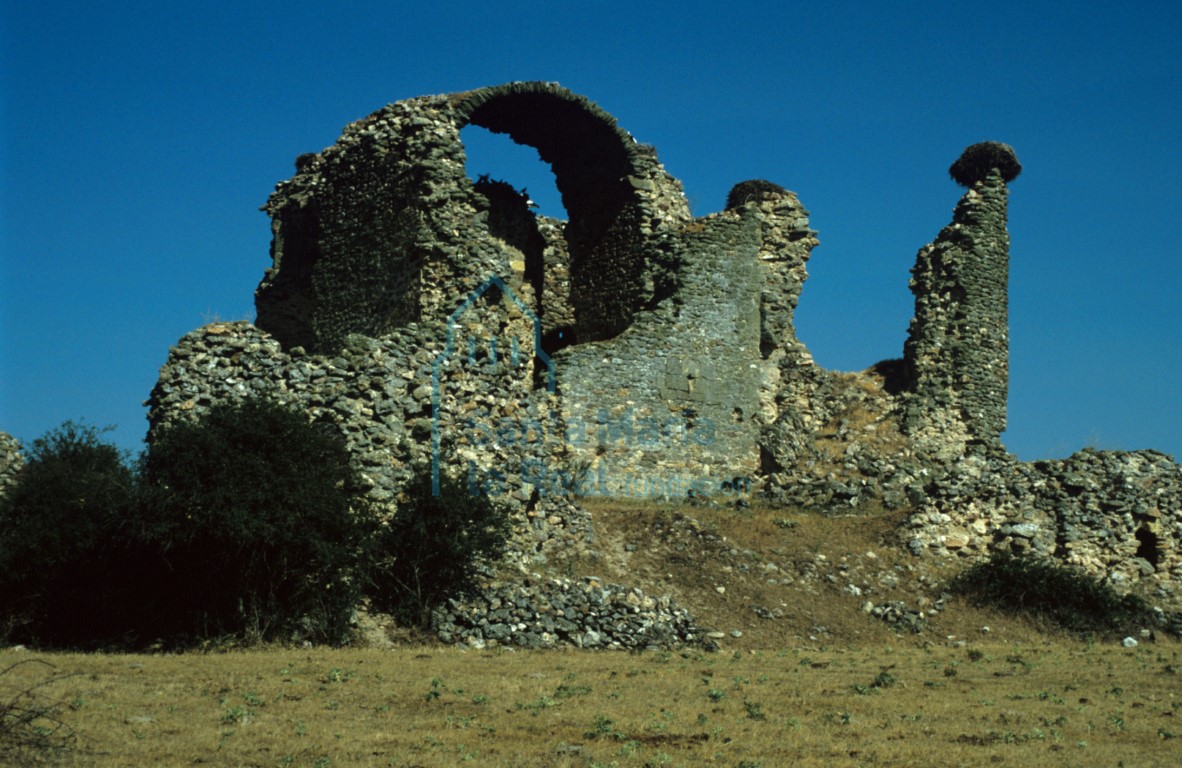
{"x": 592, "y": 164}
{"x": 499, "y": 158}
{"x": 509, "y": 177}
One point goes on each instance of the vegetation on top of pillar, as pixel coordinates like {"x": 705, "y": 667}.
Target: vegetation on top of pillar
{"x": 755, "y": 189}
{"x": 975, "y": 163}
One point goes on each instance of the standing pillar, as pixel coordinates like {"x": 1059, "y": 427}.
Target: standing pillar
{"x": 956, "y": 356}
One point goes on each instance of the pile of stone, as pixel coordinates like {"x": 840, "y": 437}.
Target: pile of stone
{"x": 898, "y": 615}
{"x": 838, "y": 443}
{"x": 546, "y": 613}
{"x": 553, "y": 526}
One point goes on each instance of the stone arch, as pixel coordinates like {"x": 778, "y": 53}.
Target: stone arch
{"x": 602, "y": 175}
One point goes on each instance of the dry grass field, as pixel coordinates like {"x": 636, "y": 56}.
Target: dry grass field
{"x": 987, "y": 704}
{"x": 809, "y": 680}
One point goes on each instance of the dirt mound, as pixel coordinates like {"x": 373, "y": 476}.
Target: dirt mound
{"x": 765, "y": 577}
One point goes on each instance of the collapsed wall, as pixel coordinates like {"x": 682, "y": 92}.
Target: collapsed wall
{"x": 1117, "y": 512}
{"x": 1113, "y": 514}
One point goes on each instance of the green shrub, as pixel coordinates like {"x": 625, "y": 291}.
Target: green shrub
{"x": 262, "y": 522}
{"x": 434, "y": 546}
{"x": 1052, "y": 592}
{"x": 66, "y": 559}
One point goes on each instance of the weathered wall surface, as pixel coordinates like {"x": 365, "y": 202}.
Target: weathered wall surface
{"x": 380, "y": 394}
{"x": 634, "y": 350}
{"x": 1118, "y": 513}
{"x": 671, "y": 405}
{"x": 385, "y": 228}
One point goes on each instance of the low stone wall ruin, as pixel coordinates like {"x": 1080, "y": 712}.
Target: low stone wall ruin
{"x": 545, "y": 613}
{"x": 1114, "y": 514}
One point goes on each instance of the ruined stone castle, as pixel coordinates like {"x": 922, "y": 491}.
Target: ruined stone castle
{"x": 634, "y": 349}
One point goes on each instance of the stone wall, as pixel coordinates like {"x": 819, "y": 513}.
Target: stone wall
{"x": 383, "y": 231}
{"x": 11, "y": 461}
{"x": 1117, "y": 513}
{"x": 385, "y": 228}
{"x": 379, "y": 393}
{"x": 671, "y": 405}
{"x": 1113, "y": 514}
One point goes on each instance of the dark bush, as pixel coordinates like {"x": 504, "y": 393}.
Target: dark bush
{"x": 67, "y": 563}
{"x": 435, "y": 545}
{"x": 1054, "y": 593}
{"x": 262, "y": 522}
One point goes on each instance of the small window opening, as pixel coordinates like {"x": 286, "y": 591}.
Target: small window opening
{"x": 1147, "y": 548}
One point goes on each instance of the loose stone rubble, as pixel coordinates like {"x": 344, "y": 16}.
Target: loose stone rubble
{"x": 543, "y": 613}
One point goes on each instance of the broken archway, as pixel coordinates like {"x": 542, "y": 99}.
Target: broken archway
{"x": 384, "y": 228}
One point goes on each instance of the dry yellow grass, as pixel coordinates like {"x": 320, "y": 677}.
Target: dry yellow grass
{"x": 1060, "y": 703}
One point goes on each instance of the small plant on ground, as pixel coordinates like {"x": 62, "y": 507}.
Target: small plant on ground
{"x": 1052, "y": 592}
{"x": 603, "y": 728}
{"x": 31, "y": 728}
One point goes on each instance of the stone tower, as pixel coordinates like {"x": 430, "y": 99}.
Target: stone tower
{"x": 956, "y": 358}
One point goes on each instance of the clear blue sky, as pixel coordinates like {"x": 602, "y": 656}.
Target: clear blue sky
{"x": 137, "y": 142}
